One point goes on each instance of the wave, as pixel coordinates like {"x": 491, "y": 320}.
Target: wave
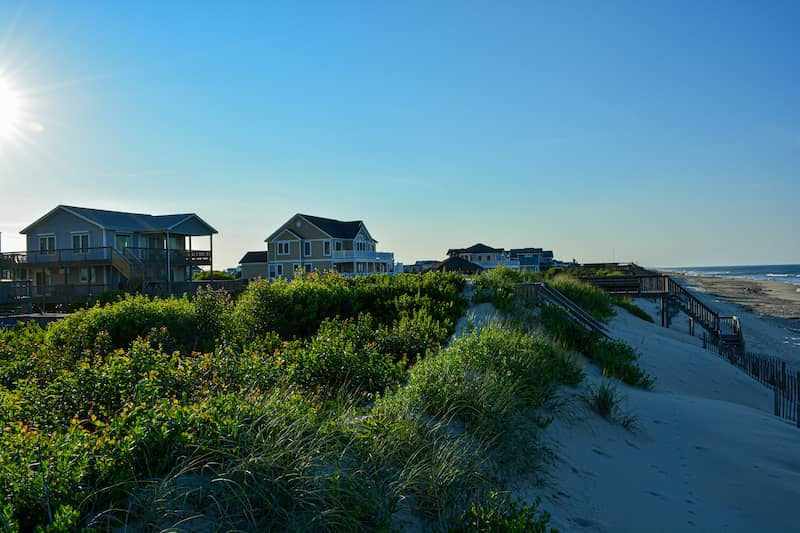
{"x": 779, "y": 275}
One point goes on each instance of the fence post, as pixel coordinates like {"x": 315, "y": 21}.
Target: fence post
{"x": 797, "y": 399}
{"x": 663, "y": 314}
{"x": 691, "y": 326}
{"x": 775, "y": 390}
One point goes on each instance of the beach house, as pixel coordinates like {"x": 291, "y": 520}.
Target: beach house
{"x": 76, "y": 252}
{"x": 307, "y": 243}
{"x": 529, "y": 259}
{"x": 254, "y": 265}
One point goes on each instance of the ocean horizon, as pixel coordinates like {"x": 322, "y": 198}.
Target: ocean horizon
{"x": 783, "y": 273}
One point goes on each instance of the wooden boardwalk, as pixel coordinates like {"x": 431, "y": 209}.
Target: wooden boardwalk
{"x": 725, "y": 332}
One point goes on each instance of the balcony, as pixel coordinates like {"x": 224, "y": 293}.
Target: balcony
{"x": 177, "y": 257}
{"x": 367, "y": 256}
{"x": 96, "y": 255}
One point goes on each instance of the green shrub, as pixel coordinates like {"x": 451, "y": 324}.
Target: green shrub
{"x": 485, "y": 378}
{"x": 498, "y": 514}
{"x": 194, "y": 324}
{"x": 591, "y": 299}
{"x": 615, "y": 358}
{"x": 218, "y": 275}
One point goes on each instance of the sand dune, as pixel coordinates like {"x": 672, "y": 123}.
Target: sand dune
{"x": 707, "y": 454}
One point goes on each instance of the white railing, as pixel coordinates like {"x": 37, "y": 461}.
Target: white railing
{"x": 358, "y": 255}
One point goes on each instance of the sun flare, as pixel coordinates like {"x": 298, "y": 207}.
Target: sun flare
{"x": 10, "y": 110}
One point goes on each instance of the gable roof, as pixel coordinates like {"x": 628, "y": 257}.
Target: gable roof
{"x": 336, "y": 229}
{"x": 456, "y": 264}
{"x": 478, "y": 248}
{"x": 120, "y": 220}
{"x": 254, "y": 257}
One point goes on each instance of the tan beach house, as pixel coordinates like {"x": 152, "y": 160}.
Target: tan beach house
{"x": 307, "y": 243}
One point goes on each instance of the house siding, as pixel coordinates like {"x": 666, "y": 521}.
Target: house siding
{"x": 62, "y": 224}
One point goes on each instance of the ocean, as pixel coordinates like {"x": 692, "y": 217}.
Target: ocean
{"x": 784, "y": 273}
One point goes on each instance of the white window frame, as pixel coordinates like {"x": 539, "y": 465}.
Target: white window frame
{"x": 309, "y": 268}
{"x": 281, "y": 245}
{"x": 279, "y": 270}
{"x": 326, "y": 248}
{"x": 307, "y": 249}
{"x": 295, "y": 268}
{"x": 80, "y": 248}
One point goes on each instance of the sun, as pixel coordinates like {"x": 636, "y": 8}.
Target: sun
{"x": 10, "y": 110}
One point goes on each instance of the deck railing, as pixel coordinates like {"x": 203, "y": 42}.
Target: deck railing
{"x": 723, "y": 329}
{"x": 361, "y": 255}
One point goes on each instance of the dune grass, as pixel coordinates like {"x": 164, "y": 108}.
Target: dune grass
{"x": 632, "y": 308}
{"x": 184, "y": 414}
{"x": 615, "y": 358}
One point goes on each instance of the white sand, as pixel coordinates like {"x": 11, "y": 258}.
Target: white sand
{"x": 707, "y": 454}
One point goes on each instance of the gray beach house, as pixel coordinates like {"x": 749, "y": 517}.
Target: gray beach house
{"x": 75, "y": 252}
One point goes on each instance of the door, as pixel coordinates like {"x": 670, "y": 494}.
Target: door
{"x": 122, "y": 241}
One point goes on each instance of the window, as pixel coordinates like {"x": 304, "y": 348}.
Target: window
{"x": 279, "y": 269}
{"x": 47, "y": 244}
{"x": 338, "y": 246}
{"x": 87, "y": 275}
{"x": 80, "y": 242}
{"x": 124, "y": 241}
{"x": 283, "y": 248}
{"x": 306, "y": 248}
{"x": 295, "y": 268}
{"x": 309, "y": 268}
{"x": 326, "y": 248}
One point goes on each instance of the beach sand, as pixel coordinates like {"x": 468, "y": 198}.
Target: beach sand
{"x": 706, "y": 453}
{"x": 769, "y": 312}
{"x": 766, "y": 298}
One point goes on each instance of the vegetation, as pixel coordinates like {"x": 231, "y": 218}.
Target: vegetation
{"x": 204, "y": 411}
{"x": 632, "y": 308}
{"x": 591, "y": 299}
{"x": 218, "y": 275}
{"x": 615, "y": 358}
{"x": 504, "y": 515}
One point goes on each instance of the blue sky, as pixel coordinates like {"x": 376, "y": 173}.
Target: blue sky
{"x": 666, "y": 133}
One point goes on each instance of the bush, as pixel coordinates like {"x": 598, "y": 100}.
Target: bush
{"x": 502, "y": 514}
{"x": 591, "y": 299}
{"x": 615, "y": 358}
{"x": 485, "y": 378}
{"x": 194, "y": 324}
{"x": 205, "y": 275}
{"x": 497, "y": 286}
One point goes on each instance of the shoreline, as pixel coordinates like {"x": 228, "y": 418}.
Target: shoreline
{"x": 773, "y": 299}
{"x": 769, "y": 311}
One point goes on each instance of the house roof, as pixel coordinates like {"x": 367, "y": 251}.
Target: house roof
{"x": 254, "y": 257}
{"x": 337, "y": 229}
{"x": 478, "y": 248}
{"x": 120, "y": 220}
{"x": 515, "y": 251}
{"x": 456, "y": 264}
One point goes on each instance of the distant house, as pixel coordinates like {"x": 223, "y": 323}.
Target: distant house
{"x": 307, "y": 243}
{"x": 419, "y": 267}
{"x": 74, "y": 252}
{"x": 254, "y": 265}
{"x": 457, "y": 264}
{"x": 530, "y": 259}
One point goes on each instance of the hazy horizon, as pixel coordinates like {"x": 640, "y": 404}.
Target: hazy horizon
{"x": 661, "y": 134}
